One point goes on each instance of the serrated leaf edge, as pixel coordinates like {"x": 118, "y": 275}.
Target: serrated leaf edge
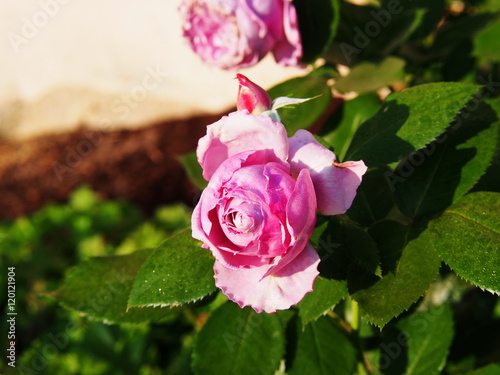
{"x": 106, "y": 320}
{"x": 174, "y": 304}
{"x": 381, "y": 326}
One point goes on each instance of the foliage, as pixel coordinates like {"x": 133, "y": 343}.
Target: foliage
{"x": 101, "y": 237}
{"x": 409, "y": 276}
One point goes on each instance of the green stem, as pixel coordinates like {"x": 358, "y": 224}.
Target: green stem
{"x": 361, "y": 369}
{"x": 355, "y": 316}
{"x": 341, "y": 323}
{"x": 355, "y": 330}
{"x": 191, "y": 318}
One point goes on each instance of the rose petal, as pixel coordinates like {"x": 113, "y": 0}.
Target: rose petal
{"x": 288, "y": 50}
{"x": 205, "y": 222}
{"x": 335, "y": 185}
{"x": 279, "y": 291}
{"x": 301, "y": 218}
{"x": 236, "y": 133}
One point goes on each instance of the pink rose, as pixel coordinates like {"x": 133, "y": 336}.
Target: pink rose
{"x": 239, "y": 33}
{"x": 259, "y": 209}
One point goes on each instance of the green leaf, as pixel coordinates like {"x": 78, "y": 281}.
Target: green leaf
{"x": 369, "y": 76}
{"x": 285, "y": 101}
{"x": 489, "y": 181}
{"x": 311, "y": 85}
{"x": 420, "y": 345}
{"x": 407, "y": 121}
{"x": 487, "y": 44}
{"x": 342, "y": 125}
{"x": 179, "y": 271}
{"x": 409, "y": 266}
{"x": 317, "y": 24}
{"x": 239, "y": 341}
{"x": 491, "y": 369}
{"x": 374, "y": 198}
{"x": 99, "y": 288}
{"x": 322, "y": 349}
{"x": 467, "y": 237}
{"x": 488, "y": 6}
{"x": 432, "y": 178}
{"x": 326, "y": 294}
{"x": 193, "y": 170}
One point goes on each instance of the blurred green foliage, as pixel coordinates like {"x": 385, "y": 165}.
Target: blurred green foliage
{"x": 45, "y": 246}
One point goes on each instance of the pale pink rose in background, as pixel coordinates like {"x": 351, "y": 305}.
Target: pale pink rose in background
{"x": 234, "y": 34}
{"x": 259, "y": 209}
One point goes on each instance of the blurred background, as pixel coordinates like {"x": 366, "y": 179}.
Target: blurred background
{"x": 98, "y": 99}
{"x": 123, "y": 72}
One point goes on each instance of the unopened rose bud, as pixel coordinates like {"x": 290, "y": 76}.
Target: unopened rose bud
{"x": 252, "y": 97}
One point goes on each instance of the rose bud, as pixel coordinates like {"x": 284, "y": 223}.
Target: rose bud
{"x": 252, "y": 97}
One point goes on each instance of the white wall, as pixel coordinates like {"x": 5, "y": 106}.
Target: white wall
{"x": 106, "y": 64}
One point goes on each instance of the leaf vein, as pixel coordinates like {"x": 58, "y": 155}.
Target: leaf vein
{"x": 240, "y": 344}
{"x": 474, "y": 221}
{"x": 316, "y": 347}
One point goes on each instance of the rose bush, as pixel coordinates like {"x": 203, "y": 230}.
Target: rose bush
{"x": 239, "y": 33}
{"x": 259, "y": 209}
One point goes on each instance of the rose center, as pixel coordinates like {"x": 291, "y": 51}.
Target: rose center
{"x": 239, "y": 222}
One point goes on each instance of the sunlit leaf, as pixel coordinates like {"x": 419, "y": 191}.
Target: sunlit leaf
{"x": 467, "y": 237}
{"x": 432, "y": 178}
{"x": 99, "y": 287}
{"x": 409, "y": 266}
{"x": 407, "y": 121}
{"x": 370, "y": 76}
{"x": 177, "y": 272}
{"x": 325, "y": 295}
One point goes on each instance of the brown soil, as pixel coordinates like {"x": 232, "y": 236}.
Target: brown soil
{"x": 136, "y": 165}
